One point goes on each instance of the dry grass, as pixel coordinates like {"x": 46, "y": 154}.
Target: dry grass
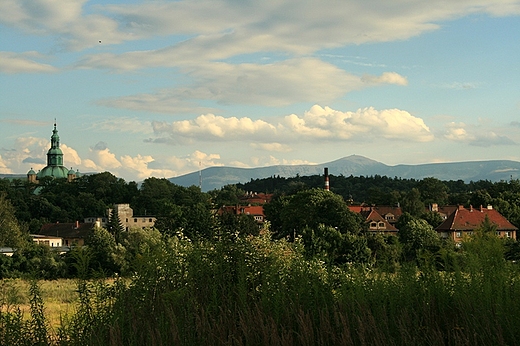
{"x": 59, "y": 297}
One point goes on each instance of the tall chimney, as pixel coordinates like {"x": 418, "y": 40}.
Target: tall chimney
{"x": 326, "y": 173}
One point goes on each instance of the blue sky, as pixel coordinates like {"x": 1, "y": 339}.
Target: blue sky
{"x": 161, "y": 88}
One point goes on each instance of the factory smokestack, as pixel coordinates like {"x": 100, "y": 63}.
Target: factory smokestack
{"x": 326, "y": 173}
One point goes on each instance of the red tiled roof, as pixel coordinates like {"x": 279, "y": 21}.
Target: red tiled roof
{"x": 374, "y": 215}
{"x": 242, "y": 209}
{"x": 464, "y": 219}
{"x": 386, "y": 209}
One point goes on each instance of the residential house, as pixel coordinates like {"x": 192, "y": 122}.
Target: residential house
{"x": 126, "y": 216}
{"x": 463, "y": 222}
{"x": 257, "y": 211}
{"x": 375, "y": 222}
{"x": 71, "y": 234}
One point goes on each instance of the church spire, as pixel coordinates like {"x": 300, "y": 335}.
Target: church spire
{"x": 55, "y": 155}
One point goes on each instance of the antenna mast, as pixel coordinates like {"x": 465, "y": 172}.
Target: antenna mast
{"x": 200, "y": 176}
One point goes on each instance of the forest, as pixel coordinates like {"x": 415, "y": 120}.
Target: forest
{"x": 310, "y": 275}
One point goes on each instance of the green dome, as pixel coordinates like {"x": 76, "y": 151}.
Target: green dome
{"x": 71, "y": 172}
{"x": 53, "y": 171}
{"x": 31, "y": 172}
{"x": 55, "y": 151}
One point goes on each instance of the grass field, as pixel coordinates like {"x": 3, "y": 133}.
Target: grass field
{"x": 59, "y": 297}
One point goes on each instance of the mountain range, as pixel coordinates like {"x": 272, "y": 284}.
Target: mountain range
{"x": 356, "y": 165}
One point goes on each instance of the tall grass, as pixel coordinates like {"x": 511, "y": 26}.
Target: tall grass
{"x": 253, "y": 291}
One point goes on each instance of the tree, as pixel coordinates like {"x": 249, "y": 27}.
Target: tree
{"x": 412, "y": 203}
{"x": 417, "y": 235}
{"x": 433, "y": 191}
{"x": 102, "y": 246}
{"x": 114, "y": 226}
{"x": 11, "y": 234}
{"x": 310, "y": 208}
{"x": 433, "y": 218}
{"x": 242, "y": 224}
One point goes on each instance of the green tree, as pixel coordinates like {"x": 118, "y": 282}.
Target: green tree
{"x": 242, "y": 224}
{"x": 136, "y": 246}
{"x": 11, "y": 233}
{"x": 102, "y": 245}
{"x": 310, "y": 208}
{"x": 412, "y": 203}
{"x": 433, "y": 190}
{"x": 433, "y": 218}
{"x": 417, "y": 236}
{"x": 228, "y": 195}
{"x": 114, "y": 226}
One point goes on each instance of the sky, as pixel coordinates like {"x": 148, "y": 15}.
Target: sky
{"x": 163, "y": 88}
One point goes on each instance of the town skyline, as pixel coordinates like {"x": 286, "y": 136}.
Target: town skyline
{"x": 157, "y": 88}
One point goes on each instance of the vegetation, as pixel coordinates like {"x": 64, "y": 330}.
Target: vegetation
{"x": 253, "y": 290}
{"x": 312, "y": 276}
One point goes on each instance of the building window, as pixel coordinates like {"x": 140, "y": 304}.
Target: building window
{"x": 508, "y": 234}
{"x": 373, "y": 225}
{"x": 150, "y": 220}
{"x": 126, "y": 219}
{"x": 381, "y": 225}
{"x": 458, "y": 234}
{"x": 135, "y": 220}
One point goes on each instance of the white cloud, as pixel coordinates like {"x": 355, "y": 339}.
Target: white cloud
{"x": 64, "y": 19}
{"x": 385, "y": 78}
{"x": 123, "y": 124}
{"x": 4, "y": 169}
{"x": 12, "y": 63}
{"x": 278, "y": 147}
{"x": 476, "y": 135}
{"x": 316, "y": 124}
{"x": 276, "y": 84}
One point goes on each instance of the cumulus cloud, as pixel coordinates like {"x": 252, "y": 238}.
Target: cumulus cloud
{"x": 4, "y": 168}
{"x": 319, "y": 123}
{"x": 475, "y": 135}
{"x": 12, "y": 63}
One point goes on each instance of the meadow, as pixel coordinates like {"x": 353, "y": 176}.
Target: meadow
{"x": 255, "y": 291}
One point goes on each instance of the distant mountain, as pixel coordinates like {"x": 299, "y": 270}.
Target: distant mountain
{"x": 356, "y": 165}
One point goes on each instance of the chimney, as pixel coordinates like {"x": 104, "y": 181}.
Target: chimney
{"x": 326, "y": 173}
{"x": 77, "y": 225}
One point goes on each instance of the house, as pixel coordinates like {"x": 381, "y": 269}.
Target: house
{"x": 463, "y": 222}
{"x": 443, "y": 211}
{"x": 389, "y": 213}
{"x": 126, "y": 216}
{"x": 375, "y": 222}
{"x": 47, "y": 240}
{"x": 257, "y": 211}
{"x": 70, "y": 234}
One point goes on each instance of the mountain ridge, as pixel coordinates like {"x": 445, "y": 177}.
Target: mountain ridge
{"x": 357, "y": 165}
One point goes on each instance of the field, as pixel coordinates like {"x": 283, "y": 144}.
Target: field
{"x": 59, "y": 297}
{"x": 260, "y": 292}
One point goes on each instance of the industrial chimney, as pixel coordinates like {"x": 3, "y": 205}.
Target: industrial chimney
{"x": 326, "y": 173}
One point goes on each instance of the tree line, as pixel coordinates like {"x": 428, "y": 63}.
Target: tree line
{"x": 301, "y": 212}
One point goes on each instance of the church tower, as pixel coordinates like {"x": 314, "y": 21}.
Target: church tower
{"x": 54, "y": 168}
